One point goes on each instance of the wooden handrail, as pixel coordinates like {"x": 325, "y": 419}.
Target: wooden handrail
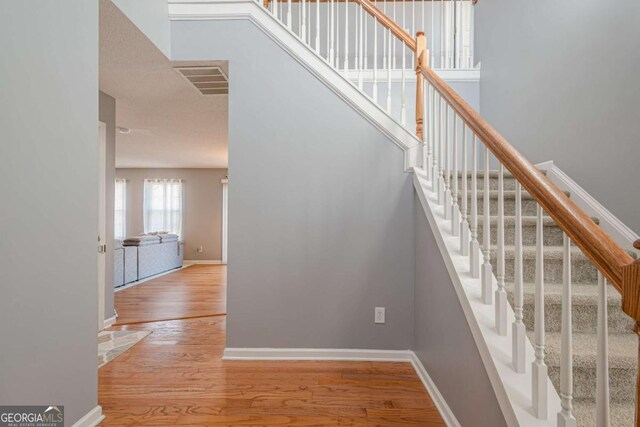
{"x": 597, "y": 245}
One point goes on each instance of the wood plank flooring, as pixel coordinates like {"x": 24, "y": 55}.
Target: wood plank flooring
{"x": 176, "y": 376}
{"x": 194, "y": 291}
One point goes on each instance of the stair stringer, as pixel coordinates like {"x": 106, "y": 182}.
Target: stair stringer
{"x": 513, "y": 391}
{"x": 230, "y": 10}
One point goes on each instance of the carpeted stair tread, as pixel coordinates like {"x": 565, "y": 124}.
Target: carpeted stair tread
{"x": 527, "y": 220}
{"x": 508, "y": 195}
{"x": 585, "y": 294}
{"x": 623, "y": 350}
{"x": 621, "y": 413}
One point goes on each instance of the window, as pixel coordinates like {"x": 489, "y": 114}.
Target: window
{"x": 163, "y": 205}
{"x": 120, "y": 214}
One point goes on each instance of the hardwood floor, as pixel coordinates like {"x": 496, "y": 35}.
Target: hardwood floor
{"x": 194, "y": 291}
{"x": 176, "y": 376}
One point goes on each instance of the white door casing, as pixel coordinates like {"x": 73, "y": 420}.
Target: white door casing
{"x": 102, "y": 228}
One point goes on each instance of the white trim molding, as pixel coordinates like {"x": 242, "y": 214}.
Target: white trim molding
{"x": 250, "y": 10}
{"x": 441, "y": 404}
{"x": 91, "y": 418}
{"x": 187, "y": 263}
{"x": 317, "y": 354}
{"x": 351, "y": 355}
{"x": 110, "y": 321}
{"x": 623, "y": 235}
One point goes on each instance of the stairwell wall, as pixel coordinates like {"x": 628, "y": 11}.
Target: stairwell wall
{"x": 442, "y": 339}
{"x": 560, "y": 82}
{"x": 321, "y": 219}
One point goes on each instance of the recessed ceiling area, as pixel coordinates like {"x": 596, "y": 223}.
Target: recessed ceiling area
{"x": 165, "y": 119}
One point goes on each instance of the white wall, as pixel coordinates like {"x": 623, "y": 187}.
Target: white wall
{"x": 320, "y": 211}
{"x": 151, "y": 17}
{"x": 560, "y": 82}
{"x": 49, "y": 214}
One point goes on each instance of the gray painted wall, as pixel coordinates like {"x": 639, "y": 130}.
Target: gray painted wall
{"x": 321, "y": 226}
{"x": 560, "y": 81}
{"x": 107, "y": 115}
{"x": 202, "y": 215}
{"x": 448, "y": 353}
{"x": 49, "y": 214}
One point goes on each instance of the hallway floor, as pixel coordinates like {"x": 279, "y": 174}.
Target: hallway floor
{"x": 176, "y": 376}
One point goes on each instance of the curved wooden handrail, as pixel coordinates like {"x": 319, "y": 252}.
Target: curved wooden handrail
{"x": 597, "y": 245}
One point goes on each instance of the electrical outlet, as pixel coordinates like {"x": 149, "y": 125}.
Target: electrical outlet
{"x": 379, "y": 316}
{"x": 199, "y": 249}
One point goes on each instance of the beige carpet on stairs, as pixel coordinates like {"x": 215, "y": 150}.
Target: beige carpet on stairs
{"x": 622, "y": 342}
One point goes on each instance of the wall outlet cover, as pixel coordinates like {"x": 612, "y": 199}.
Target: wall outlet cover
{"x": 379, "y": 315}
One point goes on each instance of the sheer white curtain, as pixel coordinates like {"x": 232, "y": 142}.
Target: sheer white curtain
{"x": 120, "y": 210}
{"x": 163, "y": 205}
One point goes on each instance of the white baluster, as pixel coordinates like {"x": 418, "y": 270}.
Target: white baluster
{"x": 393, "y": 54}
{"x": 337, "y": 26}
{"x": 361, "y": 49}
{"x": 375, "y": 59}
{"x": 274, "y": 8}
{"x": 539, "y": 368}
{"x": 329, "y": 32}
{"x": 289, "y": 14}
{"x": 317, "y": 26}
{"x": 501, "y": 294}
{"x": 389, "y": 76}
{"x": 487, "y": 285}
{"x": 413, "y": 17}
{"x": 474, "y": 246}
{"x": 403, "y": 90}
{"x": 424, "y": 28}
{"x": 602, "y": 356}
{"x": 447, "y": 163}
{"x": 309, "y": 23}
{"x": 384, "y": 38}
{"x": 442, "y": 34}
{"x": 565, "y": 416}
{"x": 346, "y": 38}
{"x": 435, "y": 182}
{"x": 303, "y": 28}
{"x": 455, "y": 211}
{"x": 431, "y": 132}
{"x": 366, "y": 41}
{"x": 456, "y": 35}
{"x": 433, "y": 31}
{"x": 299, "y": 19}
{"x": 519, "y": 330}
{"x": 464, "y": 225}
{"x": 441, "y": 142}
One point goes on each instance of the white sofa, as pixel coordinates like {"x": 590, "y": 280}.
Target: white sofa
{"x": 147, "y": 255}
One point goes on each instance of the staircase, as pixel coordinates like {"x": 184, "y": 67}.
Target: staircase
{"x": 580, "y": 343}
{"x": 622, "y": 346}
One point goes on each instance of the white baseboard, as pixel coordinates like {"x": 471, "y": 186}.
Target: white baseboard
{"x": 188, "y": 262}
{"x": 445, "y": 411}
{"x": 91, "y": 418}
{"x": 317, "y": 354}
{"x": 352, "y": 355}
{"x": 146, "y": 279}
{"x": 622, "y": 234}
{"x": 110, "y": 321}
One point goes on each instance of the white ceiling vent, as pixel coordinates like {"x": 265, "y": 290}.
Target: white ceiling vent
{"x": 208, "y": 80}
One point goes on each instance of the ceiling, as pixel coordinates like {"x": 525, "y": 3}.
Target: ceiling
{"x": 172, "y": 124}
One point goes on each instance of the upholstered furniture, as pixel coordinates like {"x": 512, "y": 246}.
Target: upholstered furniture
{"x": 143, "y": 256}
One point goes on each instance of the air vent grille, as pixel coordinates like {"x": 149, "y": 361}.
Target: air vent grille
{"x": 208, "y": 80}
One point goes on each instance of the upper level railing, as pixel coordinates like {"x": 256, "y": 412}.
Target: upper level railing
{"x": 374, "y": 52}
